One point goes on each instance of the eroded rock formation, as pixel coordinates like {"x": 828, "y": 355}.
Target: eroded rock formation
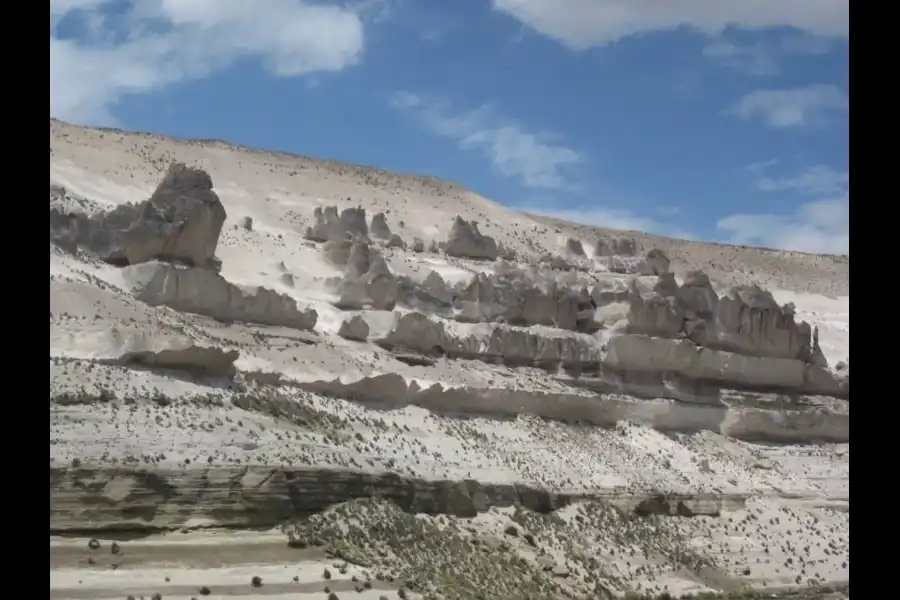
{"x": 747, "y": 320}
{"x": 379, "y": 228}
{"x": 465, "y": 241}
{"x": 615, "y": 246}
{"x": 417, "y": 333}
{"x": 180, "y": 223}
{"x": 655, "y": 263}
{"x": 204, "y": 292}
{"x": 355, "y": 328}
{"x": 329, "y": 225}
{"x": 574, "y": 248}
{"x": 367, "y": 281}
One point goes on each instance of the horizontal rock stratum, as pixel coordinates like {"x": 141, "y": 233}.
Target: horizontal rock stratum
{"x": 412, "y": 375}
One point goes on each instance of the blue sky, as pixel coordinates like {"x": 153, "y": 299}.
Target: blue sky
{"x": 709, "y": 119}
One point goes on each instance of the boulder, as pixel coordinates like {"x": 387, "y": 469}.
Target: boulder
{"x": 418, "y": 245}
{"x": 379, "y": 227}
{"x": 204, "y": 292}
{"x": 395, "y": 241}
{"x": 248, "y": 223}
{"x": 329, "y": 225}
{"x": 355, "y": 328}
{"x": 465, "y": 241}
{"x": 179, "y": 223}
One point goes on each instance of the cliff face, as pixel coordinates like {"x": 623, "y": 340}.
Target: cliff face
{"x": 85, "y": 499}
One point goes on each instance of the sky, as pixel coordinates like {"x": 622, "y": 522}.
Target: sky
{"x": 704, "y": 119}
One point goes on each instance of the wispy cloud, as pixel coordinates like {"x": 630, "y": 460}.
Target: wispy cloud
{"x": 140, "y": 47}
{"x": 582, "y": 24}
{"x": 536, "y": 159}
{"x": 817, "y": 180}
{"x": 761, "y": 165}
{"x": 791, "y": 108}
{"x": 821, "y": 226}
{"x": 764, "y": 58}
{"x": 754, "y": 59}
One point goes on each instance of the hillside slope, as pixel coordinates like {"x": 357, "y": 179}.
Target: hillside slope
{"x": 525, "y": 408}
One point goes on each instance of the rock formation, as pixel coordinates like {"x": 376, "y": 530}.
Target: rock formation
{"x": 615, "y": 246}
{"x": 465, "y": 241}
{"x": 395, "y": 241}
{"x": 355, "y": 328}
{"x": 266, "y": 497}
{"x": 655, "y": 263}
{"x": 379, "y": 228}
{"x": 179, "y": 223}
{"x": 329, "y": 225}
{"x": 415, "y": 332}
{"x": 747, "y": 320}
{"x": 204, "y": 292}
{"x": 574, "y": 248}
{"x": 202, "y": 360}
{"x": 367, "y": 281}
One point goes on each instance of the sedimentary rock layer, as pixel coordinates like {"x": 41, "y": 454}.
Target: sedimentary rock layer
{"x": 85, "y": 498}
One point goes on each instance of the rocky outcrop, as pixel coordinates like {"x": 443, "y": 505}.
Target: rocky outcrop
{"x": 574, "y": 248}
{"x": 623, "y": 265}
{"x": 417, "y": 333}
{"x": 201, "y": 360}
{"x": 514, "y": 297}
{"x": 615, "y": 246}
{"x": 522, "y": 297}
{"x": 747, "y": 320}
{"x": 355, "y": 328}
{"x": 637, "y": 353}
{"x": 770, "y": 420}
{"x": 86, "y": 499}
{"x": 148, "y": 346}
{"x": 179, "y": 223}
{"x": 206, "y": 293}
{"x": 329, "y": 225}
{"x": 367, "y": 281}
{"x": 655, "y": 263}
{"x": 379, "y": 228}
{"x": 465, "y": 241}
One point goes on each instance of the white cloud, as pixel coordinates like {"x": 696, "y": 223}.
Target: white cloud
{"x": 613, "y": 218}
{"x": 581, "y": 24}
{"x": 821, "y": 226}
{"x": 536, "y": 159}
{"x": 819, "y": 180}
{"x": 791, "y": 108}
{"x": 156, "y": 43}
